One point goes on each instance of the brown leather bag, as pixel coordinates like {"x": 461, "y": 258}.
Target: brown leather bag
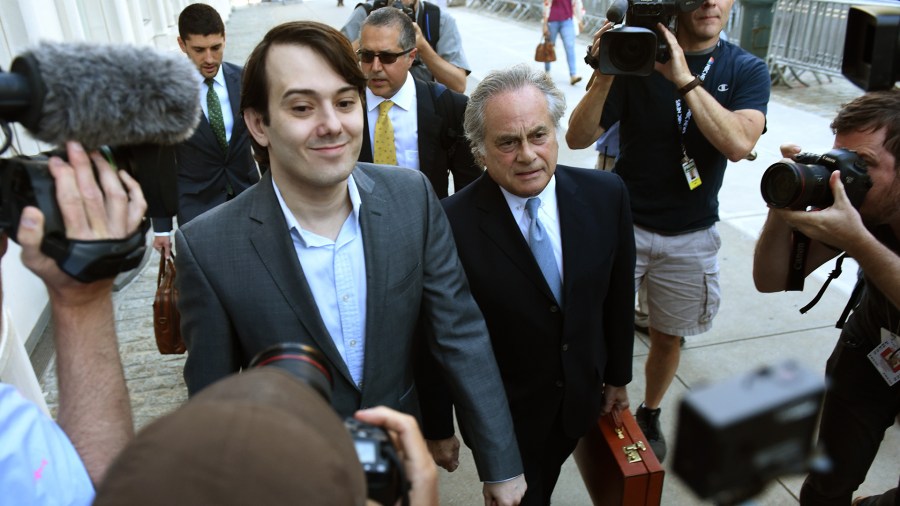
{"x": 617, "y": 465}
{"x": 545, "y": 52}
{"x": 166, "y": 320}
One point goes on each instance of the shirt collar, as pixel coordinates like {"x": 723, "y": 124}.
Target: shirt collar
{"x": 292, "y": 223}
{"x": 547, "y": 196}
{"x": 405, "y": 97}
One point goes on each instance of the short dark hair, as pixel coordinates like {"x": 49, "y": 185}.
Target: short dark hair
{"x": 872, "y": 112}
{"x": 199, "y": 19}
{"x": 329, "y": 43}
{"x": 391, "y": 17}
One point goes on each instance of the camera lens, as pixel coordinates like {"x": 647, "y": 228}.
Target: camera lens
{"x": 303, "y": 362}
{"x": 796, "y": 186}
{"x": 631, "y": 53}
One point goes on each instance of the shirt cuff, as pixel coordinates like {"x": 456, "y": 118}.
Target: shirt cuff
{"x": 504, "y": 481}
{"x": 162, "y": 234}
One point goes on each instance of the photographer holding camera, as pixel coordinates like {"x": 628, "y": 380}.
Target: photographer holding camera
{"x": 864, "y": 396}
{"x": 43, "y": 463}
{"x": 439, "y": 52}
{"x": 679, "y": 126}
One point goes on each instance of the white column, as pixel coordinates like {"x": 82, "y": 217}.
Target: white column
{"x": 70, "y": 19}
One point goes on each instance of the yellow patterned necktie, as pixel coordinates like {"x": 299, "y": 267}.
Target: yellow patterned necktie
{"x": 385, "y": 152}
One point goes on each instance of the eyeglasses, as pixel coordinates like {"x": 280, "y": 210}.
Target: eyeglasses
{"x": 385, "y": 57}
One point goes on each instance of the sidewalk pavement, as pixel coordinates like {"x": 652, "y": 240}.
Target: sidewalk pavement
{"x": 750, "y": 331}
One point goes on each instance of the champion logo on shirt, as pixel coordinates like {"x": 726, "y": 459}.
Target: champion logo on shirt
{"x": 723, "y": 87}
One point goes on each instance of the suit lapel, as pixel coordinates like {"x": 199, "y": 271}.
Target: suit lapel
{"x": 365, "y": 154}
{"x": 275, "y": 248}
{"x": 233, "y": 83}
{"x": 429, "y": 128}
{"x": 574, "y": 236}
{"x": 497, "y": 223}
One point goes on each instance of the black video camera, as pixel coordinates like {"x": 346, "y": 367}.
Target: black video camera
{"x": 632, "y": 49}
{"x": 872, "y": 47}
{"x": 803, "y": 182}
{"x": 385, "y": 478}
{"x": 736, "y": 436}
{"x": 397, "y": 4}
{"x": 26, "y": 181}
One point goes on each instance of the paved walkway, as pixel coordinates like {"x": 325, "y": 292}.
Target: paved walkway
{"x": 751, "y": 329}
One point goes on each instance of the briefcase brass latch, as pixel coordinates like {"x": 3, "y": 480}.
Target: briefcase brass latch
{"x": 632, "y": 453}
{"x": 620, "y": 433}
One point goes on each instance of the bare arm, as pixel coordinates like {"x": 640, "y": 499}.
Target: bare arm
{"x": 584, "y": 122}
{"x": 771, "y": 257}
{"x": 732, "y": 133}
{"x": 443, "y": 71}
{"x": 94, "y": 408}
{"x": 841, "y": 226}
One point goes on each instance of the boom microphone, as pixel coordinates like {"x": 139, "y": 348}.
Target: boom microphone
{"x": 616, "y": 11}
{"x": 102, "y": 94}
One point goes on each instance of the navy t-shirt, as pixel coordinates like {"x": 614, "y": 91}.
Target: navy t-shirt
{"x": 650, "y": 151}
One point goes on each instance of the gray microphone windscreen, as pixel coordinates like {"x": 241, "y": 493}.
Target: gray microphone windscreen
{"x": 115, "y": 95}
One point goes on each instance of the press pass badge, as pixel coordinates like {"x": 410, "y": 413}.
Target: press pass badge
{"x": 690, "y": 172}
{"x": 886, "y": 357}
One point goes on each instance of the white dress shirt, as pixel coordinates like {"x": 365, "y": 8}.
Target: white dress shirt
{"x": 405, "y": 120}
{"x": 548, "y": 213}
{"x": 222, "y": 92}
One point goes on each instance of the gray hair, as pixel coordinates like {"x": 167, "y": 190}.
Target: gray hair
{"x": 502, "y": 81}
{"x": 391, "y": 17}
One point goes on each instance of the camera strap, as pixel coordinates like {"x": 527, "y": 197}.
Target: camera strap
{"x": 797, "y": 266}
{"x": 833, "y": 275}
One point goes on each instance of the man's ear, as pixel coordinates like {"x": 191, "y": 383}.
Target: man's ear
{"x": 182, "y": 45}
{"x": 256, "y": 126}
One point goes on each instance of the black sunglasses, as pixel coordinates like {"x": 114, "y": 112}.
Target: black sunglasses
{"x": 385, "y": 57}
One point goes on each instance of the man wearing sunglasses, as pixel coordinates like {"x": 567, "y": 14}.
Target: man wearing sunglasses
{"x": 410, "y": 123}
{"x": 439, "y": 54}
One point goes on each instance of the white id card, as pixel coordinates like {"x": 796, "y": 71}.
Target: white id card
{"x": 886, "y": 357}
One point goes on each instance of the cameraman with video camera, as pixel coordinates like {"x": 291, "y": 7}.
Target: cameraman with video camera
{"x": 439, "y": 52}
{"x": 864, "y": 395}
{"x": 679, "y": 127}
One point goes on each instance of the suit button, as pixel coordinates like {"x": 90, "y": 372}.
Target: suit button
{"x": 565, "y": 347}
{"x": 554, "y": 308}
{"x": 559, "y": 383}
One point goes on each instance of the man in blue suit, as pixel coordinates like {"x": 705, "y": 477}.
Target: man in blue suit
{"x": 215, "y": 163}
{"x": 556, "y": 289}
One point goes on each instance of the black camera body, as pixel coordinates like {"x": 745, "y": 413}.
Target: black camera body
{"x": 385, "y": 478}
{"x": 736, "y": 436}
{"x": 632, "y": 49}
{"x": 872, "y": 46}
{"x": 397, "y": 4}
{"x": 803, "y": 182}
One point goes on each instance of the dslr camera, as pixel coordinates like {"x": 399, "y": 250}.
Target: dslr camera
{"x": 397, "y": 4}
{"x": 385, "y": 478}
{"x": 803, "y": 182}
{"x": 632, "y": 49}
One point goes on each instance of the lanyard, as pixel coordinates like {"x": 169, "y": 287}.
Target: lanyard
{"x": 687, "y": 117}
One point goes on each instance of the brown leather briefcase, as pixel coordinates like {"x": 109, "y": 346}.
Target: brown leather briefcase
{"x": 166, "y": 320}
{"x": 617, "y": 465}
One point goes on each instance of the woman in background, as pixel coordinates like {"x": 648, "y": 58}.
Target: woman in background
{"x": 563, "y": 17}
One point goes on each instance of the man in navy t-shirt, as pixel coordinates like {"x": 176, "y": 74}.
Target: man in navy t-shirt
{"x": 678, "y": 128}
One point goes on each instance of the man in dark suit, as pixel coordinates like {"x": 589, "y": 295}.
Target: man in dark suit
{"x": 339, "y": 255}
{"x": 557, "y": 288}
{"x": 426, "y": 131}
{"x": 215, "y": 163}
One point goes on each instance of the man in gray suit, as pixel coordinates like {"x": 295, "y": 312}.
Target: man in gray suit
{"x": 339, "y": 255}
{"x": 215, "y": 163}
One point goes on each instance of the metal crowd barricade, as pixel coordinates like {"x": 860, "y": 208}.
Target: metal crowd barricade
{"x": 808, "y": 35}
{"x": 514, "y": 9}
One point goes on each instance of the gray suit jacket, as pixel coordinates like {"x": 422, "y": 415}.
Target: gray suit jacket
{"x": 242, "y": 289}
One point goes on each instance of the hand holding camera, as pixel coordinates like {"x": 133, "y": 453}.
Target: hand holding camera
{"x": 109, "y": 206}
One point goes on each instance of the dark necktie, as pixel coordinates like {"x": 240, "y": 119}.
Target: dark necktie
{"x": 542, "y": 249}
{"x": 215, "y": 115}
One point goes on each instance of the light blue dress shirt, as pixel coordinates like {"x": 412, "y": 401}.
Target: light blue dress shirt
{"x": 38, "y": 464}
{"x": 336, "y": 273}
